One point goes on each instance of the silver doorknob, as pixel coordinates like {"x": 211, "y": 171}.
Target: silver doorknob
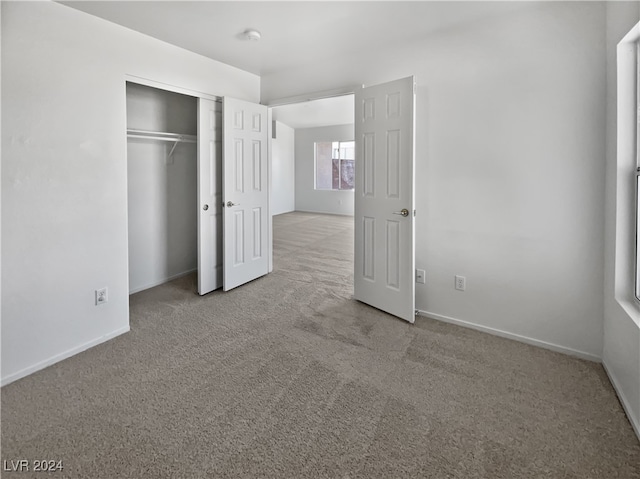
{"x": 231, "y": 203}
{"x": 205, "y": 207}
{"x": 403, "y": 212}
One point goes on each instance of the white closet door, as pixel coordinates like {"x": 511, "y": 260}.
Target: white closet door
{"x": 209, "y": 195}
{"x": 245, "y": 187}
{"x": 384, "y": 200}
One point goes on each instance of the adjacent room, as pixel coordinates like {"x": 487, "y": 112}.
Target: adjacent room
{"x": 320, "y": 239}
{"x": 313, "y": 187}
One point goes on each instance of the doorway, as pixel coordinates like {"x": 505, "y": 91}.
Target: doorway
{"x": 383, "y": 198}
{"x": 161, "y": 181}
{"x": 323, "y": 121}
{"x": 303, "y": 192}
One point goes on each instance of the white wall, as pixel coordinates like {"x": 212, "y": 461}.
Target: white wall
{"x": 621, "y": 352}
{"x": 509, "y": 149}
{"x": 283, "y": 170}
{"x": 64, "y": 181}
{"x": 162, "y": 206}
{"x": 307, "y": 197}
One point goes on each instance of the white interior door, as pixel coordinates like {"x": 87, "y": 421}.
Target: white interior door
{"x": 245, "y": 192}
{"x": 209, "y": 195}
{"x": 384, "y": 198}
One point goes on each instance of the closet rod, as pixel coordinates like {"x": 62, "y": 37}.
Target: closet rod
{"x": 162, "y": 136}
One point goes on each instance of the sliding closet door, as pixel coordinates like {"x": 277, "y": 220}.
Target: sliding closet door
{"x": 245, "y": 187}
{"x": 209, "y": 195}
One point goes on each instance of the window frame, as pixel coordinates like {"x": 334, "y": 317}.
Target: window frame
{"x": 332, "y": 159}
{"x": 625, "y": 247}
{"x": 637, "y": 173}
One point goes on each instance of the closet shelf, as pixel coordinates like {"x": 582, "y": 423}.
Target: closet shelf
{"x": 162, "y": 136}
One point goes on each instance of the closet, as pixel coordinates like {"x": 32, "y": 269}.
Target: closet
{"x": 162, "y": 180}
{"x": 187, "y": 175}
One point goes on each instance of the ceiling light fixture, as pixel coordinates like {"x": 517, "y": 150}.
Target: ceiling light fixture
{"x": 252, "y": 35}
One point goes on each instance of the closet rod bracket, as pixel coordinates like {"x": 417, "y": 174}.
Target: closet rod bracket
{"x": 173, "y": 148}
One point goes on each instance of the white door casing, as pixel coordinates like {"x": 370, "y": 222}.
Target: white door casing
{"x": 384, "y": 266}
{"x": 209, "y": 195}
{"x": 245, "y": 192}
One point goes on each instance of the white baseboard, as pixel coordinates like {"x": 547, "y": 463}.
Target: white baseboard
{"x": 633, "y": 419}
{"x": 59, "y": 357}
{"x": 161, "y": 281}
{"x": 516, "y": 337}
{"x": 323, "y": 212}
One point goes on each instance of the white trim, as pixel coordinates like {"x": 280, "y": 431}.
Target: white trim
{"x": 270, "y": 187}
{"x": 504, "y": 334}
{"x": 332, "y": 213}
{"x": 635, "y": 422}
{"x": 162, "y": 281}
{"x": 62, "y": 356}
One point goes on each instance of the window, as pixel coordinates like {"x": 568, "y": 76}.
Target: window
{"x": 335, "y": 166}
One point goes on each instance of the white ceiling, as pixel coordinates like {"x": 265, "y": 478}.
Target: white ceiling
{"x": 294, "y": 33}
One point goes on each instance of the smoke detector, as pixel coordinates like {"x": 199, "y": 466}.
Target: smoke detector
{"x": 252, "y": 35}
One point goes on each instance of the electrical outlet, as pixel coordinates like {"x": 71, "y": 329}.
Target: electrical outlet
{"x": 461, "y": 283}
{"x": 420, "y": 276}
{"x": 101, "y": 296}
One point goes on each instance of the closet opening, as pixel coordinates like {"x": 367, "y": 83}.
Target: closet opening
{"x": 162, "y": 154}
{"x": 195, "y": 162}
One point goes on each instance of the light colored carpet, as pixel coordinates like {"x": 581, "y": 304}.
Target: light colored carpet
{"x": 287, "y": 377}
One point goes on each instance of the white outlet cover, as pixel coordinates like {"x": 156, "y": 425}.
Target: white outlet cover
{"x": 101, "y": 296}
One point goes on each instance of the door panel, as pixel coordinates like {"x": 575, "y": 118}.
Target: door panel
{"x": 384, "y": 275}
{"x": 209, "y": 195}
{"x": 245, "y": 197}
